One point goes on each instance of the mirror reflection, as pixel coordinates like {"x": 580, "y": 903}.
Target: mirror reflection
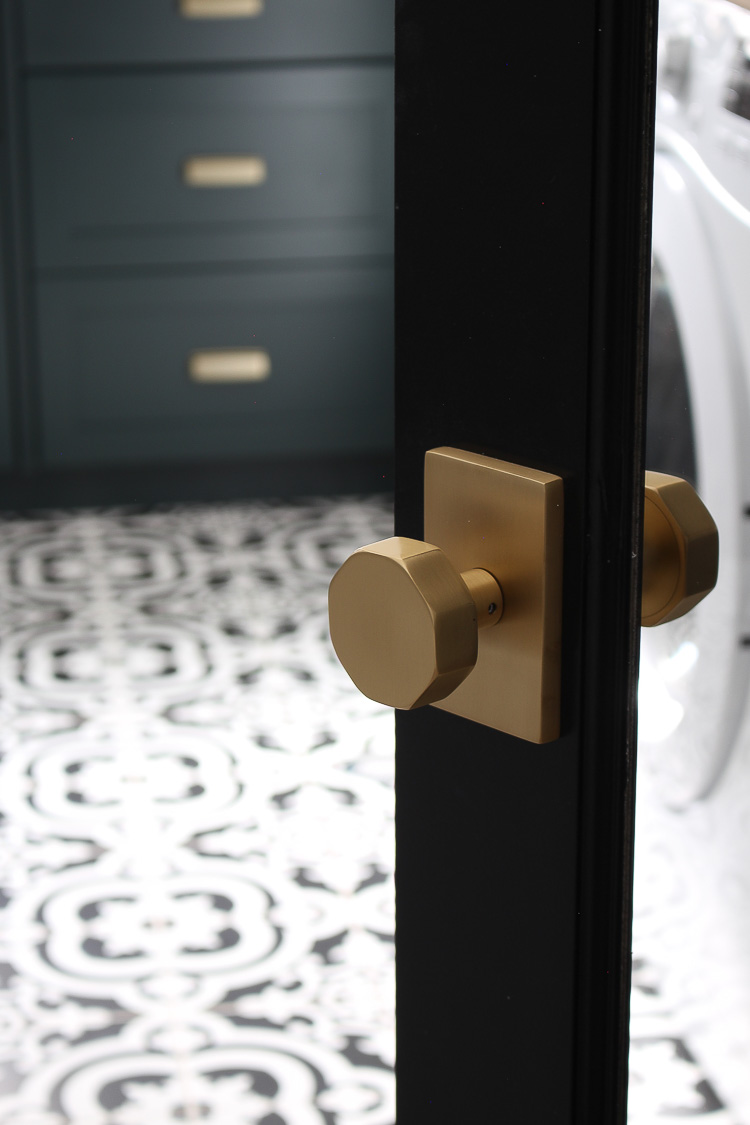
{"x": 690, "y": 1022}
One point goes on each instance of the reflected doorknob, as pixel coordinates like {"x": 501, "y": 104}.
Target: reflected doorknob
{"x": 680, "y": 549}
{"x": 470, "y": 619}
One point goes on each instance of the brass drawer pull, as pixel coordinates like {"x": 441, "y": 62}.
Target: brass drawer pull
{"x": 224, "y": 171}
{"x": 220, "y": 9}
{"x": 229, "y": 365}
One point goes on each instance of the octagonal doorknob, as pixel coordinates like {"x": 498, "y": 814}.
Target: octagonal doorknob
{"x": 404, "y": 622}
{"x": 680, "y": 549}
{"x": 470, "y": 619}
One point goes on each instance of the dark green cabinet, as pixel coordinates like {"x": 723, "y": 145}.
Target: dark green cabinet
{"x": 109, "y": 156}
{"x": 126, "y": 261}
{"x": 110, "y": 32}
{"x": 6, "y": 458}
{"x": 114, "y": 365}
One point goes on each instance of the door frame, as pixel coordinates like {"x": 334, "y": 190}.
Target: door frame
{"x": 523, "y": 188}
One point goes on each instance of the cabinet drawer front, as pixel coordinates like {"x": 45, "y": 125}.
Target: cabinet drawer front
{"x": 80, "y": 32}
{"x": 115, "y": 366}
{"x": 128, "y": 170}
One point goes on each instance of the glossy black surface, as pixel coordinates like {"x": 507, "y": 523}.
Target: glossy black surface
{"x": 523, "y": 197}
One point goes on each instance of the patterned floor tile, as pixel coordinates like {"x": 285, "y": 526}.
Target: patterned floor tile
{"x": 197, "y": 835}
{"x": 197, "y": 838}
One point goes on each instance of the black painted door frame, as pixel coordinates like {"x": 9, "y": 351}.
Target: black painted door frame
{"x": 523, "y": 183}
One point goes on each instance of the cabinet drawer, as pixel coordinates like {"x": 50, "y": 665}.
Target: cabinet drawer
{"x": 110, "y": 158}
{"x": 79, "y": 32}
{"x": 115, "y": 357}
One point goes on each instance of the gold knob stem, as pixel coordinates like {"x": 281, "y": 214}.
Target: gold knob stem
{"x": 486, "y": 594}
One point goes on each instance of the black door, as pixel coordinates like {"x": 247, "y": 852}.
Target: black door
{"x": 524, "y": 148}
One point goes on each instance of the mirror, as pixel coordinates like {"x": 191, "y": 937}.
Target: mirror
{"x": 690, "y": 1022}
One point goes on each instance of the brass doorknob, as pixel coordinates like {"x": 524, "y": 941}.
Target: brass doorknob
{"x": 410, "y": 619}
{"x": 680, "y": 549}
{"x": 404, "y": 622}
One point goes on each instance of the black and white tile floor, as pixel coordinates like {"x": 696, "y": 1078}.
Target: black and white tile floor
{"x": 197, "y": 836}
